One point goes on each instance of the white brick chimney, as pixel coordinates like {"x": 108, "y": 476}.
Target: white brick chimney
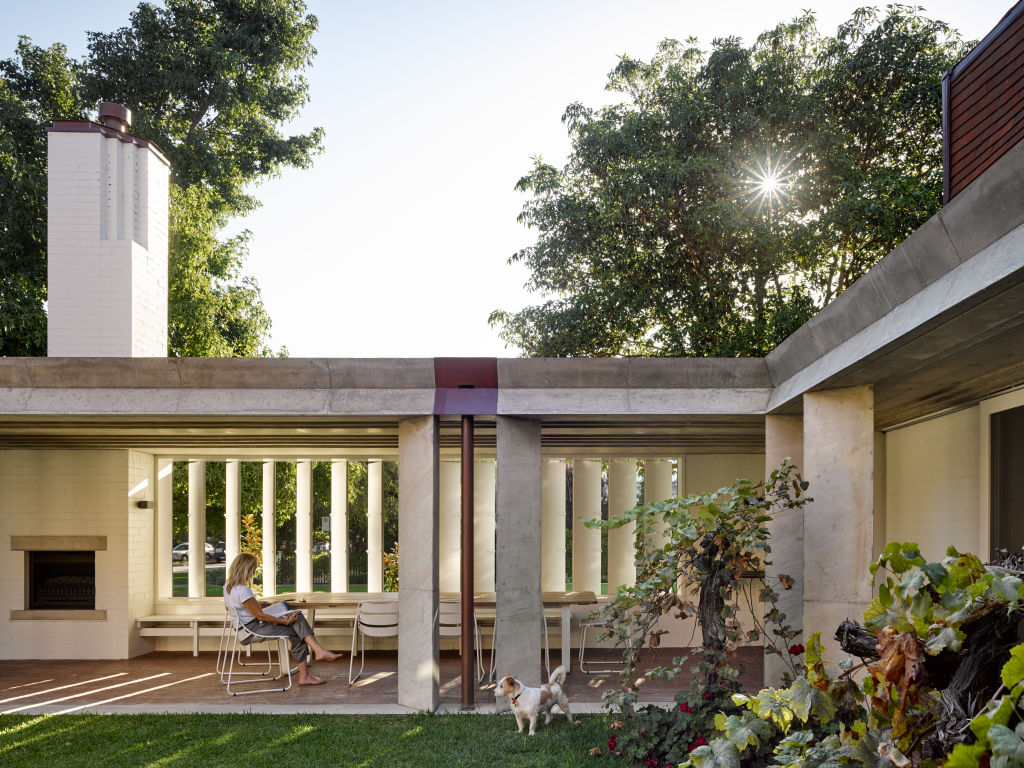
{"x": 107, "y": 240}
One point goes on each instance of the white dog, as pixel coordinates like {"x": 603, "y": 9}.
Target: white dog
{"x": 531, "y": 702}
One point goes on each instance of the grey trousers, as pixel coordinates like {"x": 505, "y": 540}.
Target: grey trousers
{"x": 295, "y": 633}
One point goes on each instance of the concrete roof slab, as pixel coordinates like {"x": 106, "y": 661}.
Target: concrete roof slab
{"x": 560, "y": 373}
{"x": 990, "y": 207}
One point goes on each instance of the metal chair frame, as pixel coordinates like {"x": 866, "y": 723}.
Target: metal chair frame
{"x": 594, "y": 624}
{"x": 241, "y": 635}
{"x": 226, "y": 644}
{"x": 374, "y": 618}
{"x": 450, "y": 625}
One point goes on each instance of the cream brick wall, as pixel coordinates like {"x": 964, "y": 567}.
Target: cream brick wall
{"x": 49, "y": 492}
{"x": 107, "y": 247}
{"x": 932, "y": 478}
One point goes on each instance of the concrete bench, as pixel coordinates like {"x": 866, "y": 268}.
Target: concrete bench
{"x": 182, "y": 625}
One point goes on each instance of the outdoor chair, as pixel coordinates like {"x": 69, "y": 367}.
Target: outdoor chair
{"x": 374, "y": 618}
{"x": 225, "y": 647}
{"x": 586, "y": 626}
{"x": 547, "y": 650}
{"x": 450, "y": 625}
{"x": 241, "y": 636}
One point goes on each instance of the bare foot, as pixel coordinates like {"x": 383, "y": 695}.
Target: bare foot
{"x": 311, "y": 680}
{"x": 326, "y": 656}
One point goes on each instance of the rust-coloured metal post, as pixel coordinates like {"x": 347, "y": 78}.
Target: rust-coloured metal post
{"x": 466, "y": 580}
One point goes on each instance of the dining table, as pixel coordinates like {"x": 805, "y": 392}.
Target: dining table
{"x": 310, "y": 602}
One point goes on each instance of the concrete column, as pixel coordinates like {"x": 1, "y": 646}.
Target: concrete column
{"x": 164, "y": 528}
{"x": 303, "y": 525}
{"x": 196, "y": 528}
{"x": 339, "y": 526}
{"x": 375, "y": 526}
{"x": 552, "y": 538}
{"x": 232, "y": 510}
{"x": 418, "y": 520}
{"x": 269, "y": 527}
{"x": 621, "y": 497}
{"x": 519, "y": 608}
{"x": 450, "y": 525}
{"x": 784, "y": 438}
{"x": 838, "y": 460}
{"x": 483, "y": 526}
{"x": 586, "y": 542}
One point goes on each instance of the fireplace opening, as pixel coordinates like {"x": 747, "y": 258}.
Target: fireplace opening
{"x": 61, "y": 581}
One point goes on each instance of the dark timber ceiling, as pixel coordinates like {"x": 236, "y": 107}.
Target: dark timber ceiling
{"x": 661, "y": 435}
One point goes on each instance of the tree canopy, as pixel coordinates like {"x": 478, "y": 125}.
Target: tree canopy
{"x": 733, "y": 192}
{"x": 212, "y": 83}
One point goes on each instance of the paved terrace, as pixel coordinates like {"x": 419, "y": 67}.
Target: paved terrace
{"x": 177, "y": 682}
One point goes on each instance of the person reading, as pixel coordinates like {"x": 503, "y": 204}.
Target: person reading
{"x": 275, "y": 620}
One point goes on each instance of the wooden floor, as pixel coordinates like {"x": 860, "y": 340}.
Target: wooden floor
{"x": 179, "y": 682}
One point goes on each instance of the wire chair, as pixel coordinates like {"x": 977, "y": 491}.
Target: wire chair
{"x": 242, "y": 635}
{"x": 374, "y": 618}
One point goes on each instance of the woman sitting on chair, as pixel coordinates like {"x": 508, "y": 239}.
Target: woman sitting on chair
{"x": 238, "y": 594}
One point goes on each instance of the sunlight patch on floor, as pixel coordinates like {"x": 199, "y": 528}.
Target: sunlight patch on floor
{"x": 61, "y": 687}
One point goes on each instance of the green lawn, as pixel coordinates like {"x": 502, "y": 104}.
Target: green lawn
{"x": 180, "y": 587}
{"x": 250, "y": 741}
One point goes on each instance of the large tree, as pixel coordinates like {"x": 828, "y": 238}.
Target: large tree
{"x": 212, "y": 83}
{"x": 733, "y": 192}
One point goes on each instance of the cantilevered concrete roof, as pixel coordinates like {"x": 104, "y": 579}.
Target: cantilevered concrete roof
{"x": 937, "y": 324}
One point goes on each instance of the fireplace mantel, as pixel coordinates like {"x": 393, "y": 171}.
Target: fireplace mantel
{"x": 58, "y": 543}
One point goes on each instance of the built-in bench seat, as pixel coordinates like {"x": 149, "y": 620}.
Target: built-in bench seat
{"x": 327, "y": 621}
{"x": 182, "y": 625}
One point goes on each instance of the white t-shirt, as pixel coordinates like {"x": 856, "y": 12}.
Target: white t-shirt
{"x": 236, "y": 599}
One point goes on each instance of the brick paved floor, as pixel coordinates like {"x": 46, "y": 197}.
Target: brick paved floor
{"x": 179, "y": 682}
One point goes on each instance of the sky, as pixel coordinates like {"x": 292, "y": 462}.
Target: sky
{"x": 396, "y": 243}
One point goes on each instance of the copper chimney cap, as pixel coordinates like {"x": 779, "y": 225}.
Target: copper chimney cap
{"x": 115, "y": 116}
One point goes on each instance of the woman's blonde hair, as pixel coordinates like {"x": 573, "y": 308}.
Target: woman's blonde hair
{"x": 241, "y": 571}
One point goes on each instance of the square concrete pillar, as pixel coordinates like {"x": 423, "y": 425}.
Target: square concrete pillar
{"x": 518, "y": 555}
{"x": 838, "y": 462}
{"x": 784, "y": 438}
{"x": 418, "y": 663}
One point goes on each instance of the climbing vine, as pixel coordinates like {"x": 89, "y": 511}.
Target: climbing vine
{"x": 700, "y": 556}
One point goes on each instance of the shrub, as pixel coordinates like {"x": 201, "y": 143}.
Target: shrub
{"x": 936, "y": 624}
{"x": 706, "y": 544}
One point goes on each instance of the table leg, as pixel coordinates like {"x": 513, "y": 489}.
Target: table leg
{"x": 195, "y": 637}
{"x": 566, "y": 650}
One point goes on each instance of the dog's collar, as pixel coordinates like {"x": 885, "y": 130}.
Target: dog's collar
{"x": 517, "y": 697}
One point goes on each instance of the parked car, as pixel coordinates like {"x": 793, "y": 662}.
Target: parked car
{"x": 218, "y": 551}
{"x": 180, "y": 552}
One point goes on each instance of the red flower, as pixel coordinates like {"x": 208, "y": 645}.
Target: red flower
{"x": 795, "y": 650}
{"x": 700, "y": 741}
{"x": 707, "y": 695}
{"x": 692, "y": 747}
{"x": 685, "y": 707}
